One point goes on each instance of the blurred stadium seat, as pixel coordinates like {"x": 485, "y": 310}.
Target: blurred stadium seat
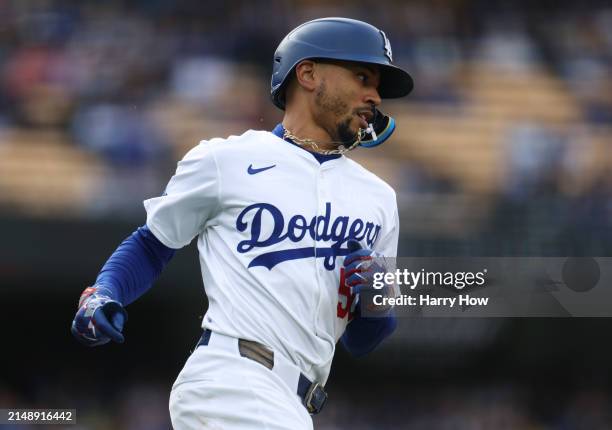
{"x": 502, "y": 149}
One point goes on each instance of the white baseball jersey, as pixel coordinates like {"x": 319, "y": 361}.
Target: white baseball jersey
{"x": 272, "y": 224}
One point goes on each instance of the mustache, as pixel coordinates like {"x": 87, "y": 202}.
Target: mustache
{"x": 366, "y": 109}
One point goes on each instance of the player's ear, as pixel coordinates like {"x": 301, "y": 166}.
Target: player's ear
{"x": 306, "y": 75}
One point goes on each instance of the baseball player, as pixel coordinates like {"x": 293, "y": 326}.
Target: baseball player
{"x": 286, "y": 225}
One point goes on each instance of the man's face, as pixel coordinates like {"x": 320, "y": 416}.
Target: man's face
{"x": 345, "y": 98}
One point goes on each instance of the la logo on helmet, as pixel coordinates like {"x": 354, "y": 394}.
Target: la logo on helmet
{"x": 388, "y": 51}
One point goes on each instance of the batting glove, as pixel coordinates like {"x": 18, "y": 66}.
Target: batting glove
{"x": 360, "y": 265}
{"x": 99, "y": 319}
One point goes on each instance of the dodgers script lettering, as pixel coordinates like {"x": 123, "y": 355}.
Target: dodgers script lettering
{"x": 321, "y": 228}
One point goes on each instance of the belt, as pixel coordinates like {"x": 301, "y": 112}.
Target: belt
{"x": 312, "y": 394}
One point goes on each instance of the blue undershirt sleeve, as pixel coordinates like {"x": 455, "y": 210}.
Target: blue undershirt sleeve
{"x": 132, "y": 268}
{"x": 363, "y": 335}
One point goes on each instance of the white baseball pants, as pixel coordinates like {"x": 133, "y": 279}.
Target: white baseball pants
{"x": 219, "y": 389}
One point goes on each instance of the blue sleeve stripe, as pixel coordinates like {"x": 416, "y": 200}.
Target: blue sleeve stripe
{"x": 363, "y": 335}
{"x": 135, "y": 264}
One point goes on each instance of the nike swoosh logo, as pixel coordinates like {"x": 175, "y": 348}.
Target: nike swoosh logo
{"x": 253, "y": 171}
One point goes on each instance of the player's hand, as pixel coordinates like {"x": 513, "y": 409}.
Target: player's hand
{"x": 359, "y": 267}
{"x": 99, "y": 319}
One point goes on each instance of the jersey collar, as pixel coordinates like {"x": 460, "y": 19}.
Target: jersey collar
{"x": 279, "y": 131}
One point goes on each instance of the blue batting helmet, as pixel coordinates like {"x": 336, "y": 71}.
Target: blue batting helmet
{"x": 338, "y": 39}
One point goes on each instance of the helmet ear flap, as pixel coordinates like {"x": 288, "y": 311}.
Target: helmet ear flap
{"x": 279, "y": 96}
{"x": 380, "y": 130}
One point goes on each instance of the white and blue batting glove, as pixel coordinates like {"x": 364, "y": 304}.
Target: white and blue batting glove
{"x": 359, "y": 267}
{"x": 99, "y": 319}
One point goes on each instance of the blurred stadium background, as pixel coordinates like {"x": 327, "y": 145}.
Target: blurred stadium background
{"x": 503, "y": 149}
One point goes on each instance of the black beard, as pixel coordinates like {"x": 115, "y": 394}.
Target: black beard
{"x": 332, "y": 105}
{"x": 344, "y": 133}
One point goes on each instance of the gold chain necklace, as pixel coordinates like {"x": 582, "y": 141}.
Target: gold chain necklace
{"x": 312, "y": 144}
